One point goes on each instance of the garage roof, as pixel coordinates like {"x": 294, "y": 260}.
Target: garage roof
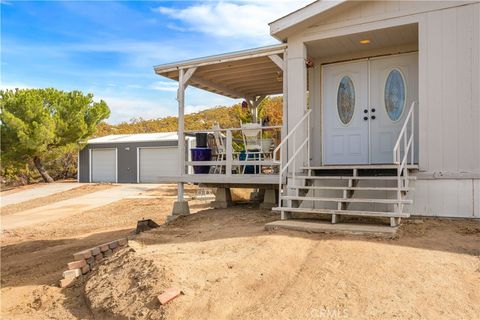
{"x": 241, "y": 74}
{"x": 141, "y": 137}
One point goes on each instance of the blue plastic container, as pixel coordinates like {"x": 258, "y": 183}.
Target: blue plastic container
{"x": 201, "y": 154}
{"x": 250, "y": 169}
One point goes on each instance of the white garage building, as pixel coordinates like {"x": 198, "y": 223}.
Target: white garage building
{"x": 131, "y": 158}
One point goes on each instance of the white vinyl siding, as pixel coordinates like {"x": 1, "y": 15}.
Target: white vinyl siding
{"x": 450, "y": 90}
{"x": 103, "y": 165}
{"x": 154, "y": 163}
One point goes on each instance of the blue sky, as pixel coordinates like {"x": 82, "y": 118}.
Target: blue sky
{"x": 109, "y": 48}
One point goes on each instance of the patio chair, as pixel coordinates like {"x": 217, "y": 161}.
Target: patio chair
{"x": 251, "y": 133}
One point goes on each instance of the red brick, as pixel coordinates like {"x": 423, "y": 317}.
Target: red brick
{"x": 95, "y": 251}
{"x": 76, "y": 264}
{"x": 113, "y": 244}
{"x": 85, "y": 269}
{"x": 99, "y": 257}
{"x": 104, "y": 247}
{"x": 67, "y": 282}
{"x": 90, "y": 260}
{"x": 169, "y": 295}
{"x": 108, "y": 253}
{"x": 85, "y": 254}
{"x": 122, "y": 241}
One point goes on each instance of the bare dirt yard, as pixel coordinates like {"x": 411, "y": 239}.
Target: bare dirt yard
{"x": 228, "y": 267}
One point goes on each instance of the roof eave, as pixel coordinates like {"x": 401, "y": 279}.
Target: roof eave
{"x": 280, "y": 28}
{"x": 226, "y": 57}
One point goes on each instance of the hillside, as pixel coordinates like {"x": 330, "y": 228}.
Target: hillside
{"x": 226, "y": 117}
{"x": 64, "y": 165}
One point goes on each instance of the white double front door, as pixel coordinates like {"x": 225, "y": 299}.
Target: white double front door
{"x": 365, "y": 103}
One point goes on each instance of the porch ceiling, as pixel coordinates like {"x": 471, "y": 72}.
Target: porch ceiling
{"x": 241, "y": 74}
{"x": 395, "y": 37}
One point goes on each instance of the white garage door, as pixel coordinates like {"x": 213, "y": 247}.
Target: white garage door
{"x": 157, "y": 162}
{"x": 103, "y": 165}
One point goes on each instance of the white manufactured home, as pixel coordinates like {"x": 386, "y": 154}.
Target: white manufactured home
{"x": 381, "y": 110}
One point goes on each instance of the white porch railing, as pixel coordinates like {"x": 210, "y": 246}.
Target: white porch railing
{"x": 406, "y": 139}
{"x": 292, "y": 134}
{"x": 230, "y": 162}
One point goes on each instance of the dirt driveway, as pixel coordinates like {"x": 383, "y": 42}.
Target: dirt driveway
{"x": 33, "y": 192}
{"x": 68, "y": 207}
{"x": 230, "y": 268}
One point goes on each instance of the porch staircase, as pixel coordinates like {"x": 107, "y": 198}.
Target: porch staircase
{"x": 375, "y": 191}
{"x": 372, "y": 191}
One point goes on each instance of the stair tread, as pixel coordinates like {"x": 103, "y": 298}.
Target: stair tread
{"x": 344, "y": 212}
{"x": 351, "y": 188}
{"x": 353, "y": 178}
{"x": 360, "y": 166}
{"x": 362, "y": 200}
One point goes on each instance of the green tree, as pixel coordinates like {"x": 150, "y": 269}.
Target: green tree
{"x": 39, "y": 125}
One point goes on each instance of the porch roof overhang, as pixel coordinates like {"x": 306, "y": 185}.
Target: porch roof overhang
{"x": 248, "y": 73}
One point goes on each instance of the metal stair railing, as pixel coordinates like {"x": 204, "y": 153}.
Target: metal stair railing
{"x": 408, "y": 138}
{"x": 292, "y": 134}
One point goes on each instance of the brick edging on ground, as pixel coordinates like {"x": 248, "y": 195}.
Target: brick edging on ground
{"x": 83, "y": 261}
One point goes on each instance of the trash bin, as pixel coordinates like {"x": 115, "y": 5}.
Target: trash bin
{"x": 201, "y": 139}
{"x": 201, "y": 154}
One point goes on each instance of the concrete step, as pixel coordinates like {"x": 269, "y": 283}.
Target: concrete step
{"x": 344, "y": 212}
{"x": 326, "y": 227}
{"x": 359, "y": 200}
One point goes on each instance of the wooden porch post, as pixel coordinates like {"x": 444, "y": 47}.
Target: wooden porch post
{"x": 181, "y": 122}
{"x": 180, "y": 207}
{"x": 183, "y": 78}
{"x": 253, "y": 103}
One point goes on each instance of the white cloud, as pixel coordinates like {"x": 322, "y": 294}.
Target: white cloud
{"x": 124, "y": 109}
{"x": 164, "y": 86}
{"x": 234, "y": 19}
{"x": 142, "y": 54}
{"x": 196, "y": 108}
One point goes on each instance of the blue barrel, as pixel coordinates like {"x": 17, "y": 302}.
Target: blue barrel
{"x": 201, "y": 154}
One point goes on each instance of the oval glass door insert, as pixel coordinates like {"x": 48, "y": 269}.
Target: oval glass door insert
{"x": 346, "y": 100}
{"x": 395, "y": 95}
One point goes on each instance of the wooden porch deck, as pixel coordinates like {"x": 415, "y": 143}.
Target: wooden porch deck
{"x": 235, "y": 179}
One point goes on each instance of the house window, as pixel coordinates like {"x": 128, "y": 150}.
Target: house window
{"x": 346, "y": 100}
{"x": 395, "y": 94}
